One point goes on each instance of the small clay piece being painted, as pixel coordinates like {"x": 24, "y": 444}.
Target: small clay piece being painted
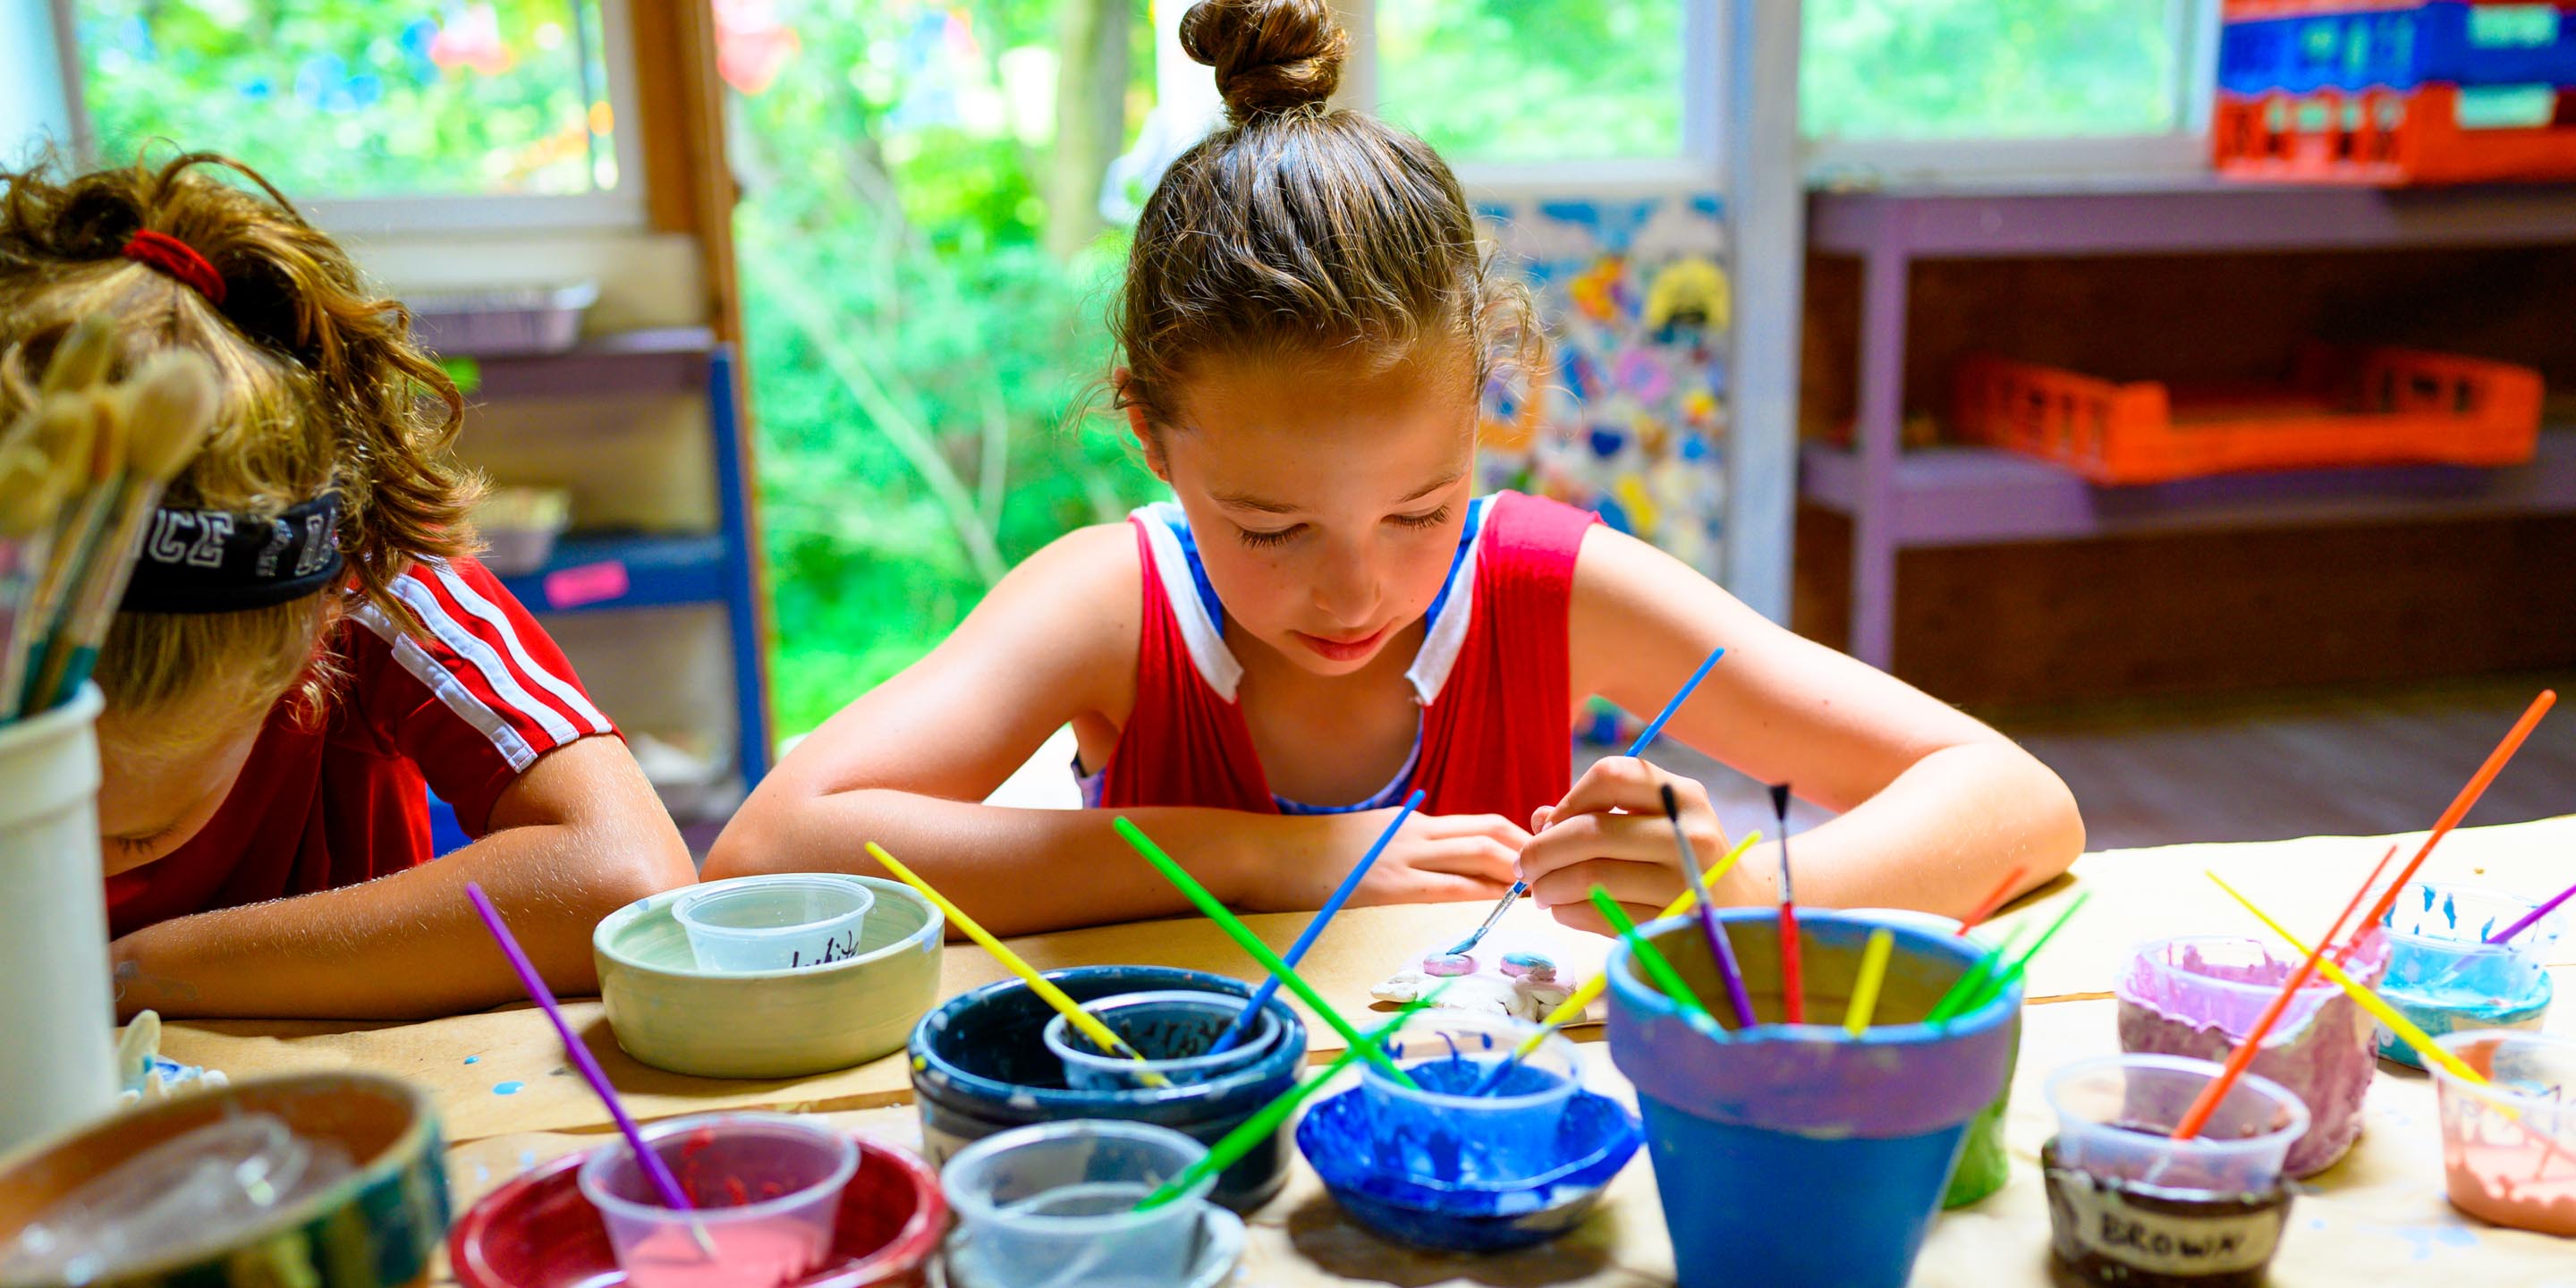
{"x": 2105, "y": 1231}
{"x": 1449, "y": 965}
{"x": 1535, "y": 967}
{"x": 1521, "y": 983}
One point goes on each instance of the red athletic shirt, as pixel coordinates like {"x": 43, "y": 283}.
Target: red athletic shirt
{"x": 1491, "y": 677}
{"x": 465, "y": 708}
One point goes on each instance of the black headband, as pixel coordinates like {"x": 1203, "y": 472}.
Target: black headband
{"x": 216, "y": 561}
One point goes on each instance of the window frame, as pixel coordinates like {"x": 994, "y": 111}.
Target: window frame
{"x": 2179, "y": 155}
{"x": 618, "y": 209}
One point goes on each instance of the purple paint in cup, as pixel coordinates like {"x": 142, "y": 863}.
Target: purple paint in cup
{"x": 2198, "y": 996}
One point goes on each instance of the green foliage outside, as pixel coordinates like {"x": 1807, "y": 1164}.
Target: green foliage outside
{"x": 1988, "y": 68}
{"x": 1534, "y": 80}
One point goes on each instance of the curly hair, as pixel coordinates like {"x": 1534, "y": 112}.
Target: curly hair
{"x": 1297, "y": 228}
{"x": 322, "y": 388}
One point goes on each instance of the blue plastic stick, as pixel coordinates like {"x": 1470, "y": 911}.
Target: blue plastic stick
{"x": 1306, "y": 939}
{"x": 1635, "y": 749}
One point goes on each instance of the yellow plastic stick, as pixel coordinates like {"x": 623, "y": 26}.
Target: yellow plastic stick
{"x": 1591, "y": 989}
{"x": 1873, "y": 972}
{"x": 2367, "y": 1000}
{"x": 1045, "y": 988}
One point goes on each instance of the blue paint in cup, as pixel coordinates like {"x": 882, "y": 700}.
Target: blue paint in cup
{"x": 980, "y": 1065}
{"x": 1798, "y": 1153}
{"x": 2444, "y": 976}
{"x": 1440, "y": 1132}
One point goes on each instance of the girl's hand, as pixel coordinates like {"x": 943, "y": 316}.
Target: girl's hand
{"x": 1434, "y": 859}
{"x": 1611, "y": 831}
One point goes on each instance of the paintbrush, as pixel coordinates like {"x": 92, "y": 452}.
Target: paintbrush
{"x": 33, "y": 483}
{"x": 2202, "y": 1106}
{"x": 2011, "y": 975}
{"x": 77, "y": 532}
{"x": 58, "y": 432}
{"x": 2528, "y": 918}
{"x": 1084, "y": 1021}
{"x": 169, "y": 405}
{"x": 578, "y": 1053}
{"x": 2451, "y": 817}
{"x": 1306, "y": 939}
{"x": 1252, "y": 1132}
{"x": 1873, "y": 973}
{"x": 1590, "y": 990}
{"x": 1793, "y": 993}
{"x": 1657, "y": 967}
{"x": 1644, "y": 740}
{"x": 1251, "y": 943}
{"x": 1719, "y": 949}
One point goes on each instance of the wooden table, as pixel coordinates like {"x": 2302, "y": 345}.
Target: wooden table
{"x": 2380, "y": 1210}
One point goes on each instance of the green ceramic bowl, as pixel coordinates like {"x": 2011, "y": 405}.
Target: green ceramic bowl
{"x": 376, "y": 1227}
{"x": 767, "y": 1024}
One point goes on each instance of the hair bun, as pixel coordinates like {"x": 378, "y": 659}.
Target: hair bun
{"x": 1270, "y": 56}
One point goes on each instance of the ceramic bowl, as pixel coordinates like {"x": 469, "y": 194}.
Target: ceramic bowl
{"x": 385, "y": 1216}
{"x": 539, "y": 1232}
{"x": 1596, "y": 1137}
{"x": 767, "y": 1024}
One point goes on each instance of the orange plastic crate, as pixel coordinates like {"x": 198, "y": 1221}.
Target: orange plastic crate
{"x": 2340, "y": 407}
{"x": 2383, "y": 137}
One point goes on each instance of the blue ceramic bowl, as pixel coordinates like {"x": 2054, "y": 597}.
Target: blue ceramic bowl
{"x": 1596, "y": 1137}
{"x": 980, "y": 1065}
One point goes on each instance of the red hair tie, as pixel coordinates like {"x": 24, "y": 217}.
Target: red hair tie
{"x": 179, "y": 260}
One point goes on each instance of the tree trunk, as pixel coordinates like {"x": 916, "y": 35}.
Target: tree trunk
{"x": 1090, "y": 118}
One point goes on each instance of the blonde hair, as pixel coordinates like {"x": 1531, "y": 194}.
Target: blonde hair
{"x": 1299, "y": 229}
{"x": 322, "y": 389}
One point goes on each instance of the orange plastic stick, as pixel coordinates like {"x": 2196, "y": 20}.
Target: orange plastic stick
{"x": 1986, "y": 906}
{"x": 2197, "y": 1117}
{"x": 2451, "y": 817}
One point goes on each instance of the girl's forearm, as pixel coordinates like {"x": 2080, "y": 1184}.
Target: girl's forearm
{"x": 1936, "y": 838}
{"x": 399, "y": 947}
{"x": 1017, "y": 871}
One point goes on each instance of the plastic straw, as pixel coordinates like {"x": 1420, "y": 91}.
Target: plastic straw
{"x": 1873, "y": 972}
{"x": 1306, "y": 939}
{"x": 2529, "y": 917}
{"x": 1986, "y": 907}
{"x": 1251, "y": 943}
{"x": 1590, "y": 990}
{"x": 2451, "y": 817}
{"x": 1084, "y": 1021}
{"x": 1657, "y": 968}
{"x": 1251, "y": 1132}
{"x": 655, "y": 1170}
{"x": 1644, "y": 740}
{"x": 1719, "y": 950}
{"x": 2197, "y": 1117}
{"x": 1793, "y": 991}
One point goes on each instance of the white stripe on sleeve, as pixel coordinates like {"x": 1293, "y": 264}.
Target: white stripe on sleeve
{"x": 424, "y": 604}
{"x": 450, "y": 690}
{"x": 491, "y": 614}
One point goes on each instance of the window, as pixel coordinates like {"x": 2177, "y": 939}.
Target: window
{"x": 1898, "y": 85}
{"x": 383, "y": 102}
{"x": 1469, "y": 76}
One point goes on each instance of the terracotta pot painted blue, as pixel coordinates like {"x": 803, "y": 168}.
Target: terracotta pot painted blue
{"x": 980, "y": 1065}
{"x": 1797, "y": 1153}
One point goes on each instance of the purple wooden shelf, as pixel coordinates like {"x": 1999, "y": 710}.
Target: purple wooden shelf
{"x": 1968, "y": 496}
{"x": 2184, "y": 218}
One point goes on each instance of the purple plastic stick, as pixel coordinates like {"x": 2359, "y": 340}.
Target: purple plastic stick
{"x": 2531, "y": 916}
{"x": 655, "y": 1169}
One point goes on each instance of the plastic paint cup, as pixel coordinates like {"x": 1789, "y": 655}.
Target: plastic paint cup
{"x": 781, "y": 922}
{"x": 2498, "y": 1170}
{"x": 768, "y": 1190}
{"x": 1172, "y": 1029}
{"x": 2116, "y": 1115}
{"x": 2446, "y": 978}
{"x": 2199, "y": 995}
{"x": 1053, "y": 1206}
{"x": 1440, "y": 1133}
{"x": 1826, "y": 1154}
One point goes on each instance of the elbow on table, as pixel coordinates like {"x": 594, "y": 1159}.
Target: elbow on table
{"x": 2056, "y": 825}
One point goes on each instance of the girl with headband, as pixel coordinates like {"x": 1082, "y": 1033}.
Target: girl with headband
{"x": 307, "y": 641}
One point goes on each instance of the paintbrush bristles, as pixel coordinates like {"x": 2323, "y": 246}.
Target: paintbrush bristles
{"x": 83, "y": 358}
{"x": 173, "y": 402}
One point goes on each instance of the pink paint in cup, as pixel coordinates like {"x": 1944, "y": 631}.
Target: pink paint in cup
{"x": 767, "y": 1189}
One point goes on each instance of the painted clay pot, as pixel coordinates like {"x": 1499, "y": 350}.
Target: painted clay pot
{"x": 2124, "y": 1232}
{"x": 1827, "y": 1155}
{"x": 2199, "y": 995}
{"x": 1984, "y": 1165}
{"x": 980, "y": 1065}
{"x": 538, "y": 1231}
{"x": 377, "y": 1226}
{"x": 672, "y": 1015}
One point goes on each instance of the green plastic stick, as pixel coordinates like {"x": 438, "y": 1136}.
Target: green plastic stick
{"x": 1231, "y": 1148}
{"x": 2012, "y": 974}
{"x": 1657, "y": 967}
{"x": 1967, "y": 985}
{"x": 1251, "y": 943}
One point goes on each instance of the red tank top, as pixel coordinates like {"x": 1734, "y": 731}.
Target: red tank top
{"x": 1497, "y": 719}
